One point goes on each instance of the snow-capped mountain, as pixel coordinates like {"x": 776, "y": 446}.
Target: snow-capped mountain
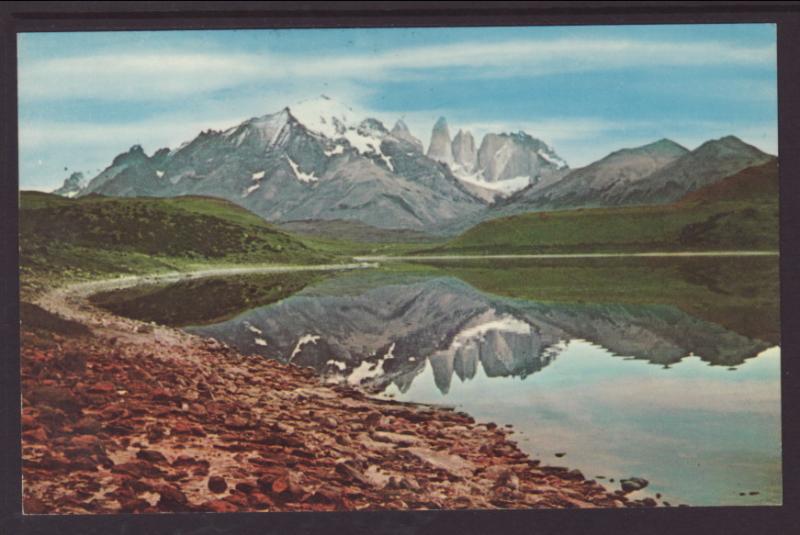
{"x": 313, "y": 160}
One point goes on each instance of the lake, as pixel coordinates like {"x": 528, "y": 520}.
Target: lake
{"x": 661, "y": 368}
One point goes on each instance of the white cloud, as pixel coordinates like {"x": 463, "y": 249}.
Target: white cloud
{"x": 155, "y": 75}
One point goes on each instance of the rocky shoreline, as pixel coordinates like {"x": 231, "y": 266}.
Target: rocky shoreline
{"x": 124, "y": 417}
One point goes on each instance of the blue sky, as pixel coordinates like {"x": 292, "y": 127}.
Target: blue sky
{"x": 587, "y": 90}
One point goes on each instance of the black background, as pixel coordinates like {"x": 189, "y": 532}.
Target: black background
{"x": 65, "y": 16}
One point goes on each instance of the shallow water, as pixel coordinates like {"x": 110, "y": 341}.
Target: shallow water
{"x": 700, "y": 434}
{"x": 622, "y": 383}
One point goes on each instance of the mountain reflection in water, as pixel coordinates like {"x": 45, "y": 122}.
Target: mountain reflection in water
{"x": 382, "y": 329}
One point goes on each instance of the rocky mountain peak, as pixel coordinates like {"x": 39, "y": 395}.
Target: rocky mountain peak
{"x": 728, "y": 143}
{"x": 400, "y": 127}
{"x": 73, "y": 184}
{"x": 134, "y": 155}
{"x": 263, "y": 131}
{"x": 372, "y": 127}
{"x": 440, "y": 148}
{"x": 464, "y": 152}
{"x": 509, "y": 155}
{"x": 401, "y": 131}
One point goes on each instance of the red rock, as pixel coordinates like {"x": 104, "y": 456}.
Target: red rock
{"x": 155, "y": 433}
{"x": 132, "y": 505}
{"x": 246, "y": 488}
{"x": 220, "y": 506}
{"x": 87, "y": 425}
{"x": 280, "y": 485}
{"x": 185, "y": 460}
{"x": 177, "y": 476}
{"x": 200, "y": 470}
{"x": 184, "y": 428}
{"x": 160, "y": 394}
{"x": 102, "y": 388}
{"x": 152, "y": 456}
{"x": 54, "y": 396}
{"x": 239, "y": 500}
{"x": 217, "y": 484}
{"x": 372, "y": 419}
{"x": 34, "y": 506}
{"x": 87, "y": 442}
{"x": 237, "y": 422}
{"x": 28, "y": 421}
{"x": 172, "y": 499}
{"x": 38, "y": 435}
{"x": 265, "y": 483}
{"x": 259, "y": 501}
{"x": 327, "y": 494}
{"x": 138, "y": 469}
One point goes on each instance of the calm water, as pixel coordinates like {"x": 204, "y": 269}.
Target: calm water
{"x": 689, "y": 401}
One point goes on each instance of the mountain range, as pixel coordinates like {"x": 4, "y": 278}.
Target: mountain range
{"x": 658, "y": 173}
{"x": 316, "y": 161}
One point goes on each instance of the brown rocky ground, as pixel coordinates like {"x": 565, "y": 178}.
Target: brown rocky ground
{"x": 127, "y": 417}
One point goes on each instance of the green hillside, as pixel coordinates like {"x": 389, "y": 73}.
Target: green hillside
{"x": 739, "y": 212}
{"x": 74, "y": 238}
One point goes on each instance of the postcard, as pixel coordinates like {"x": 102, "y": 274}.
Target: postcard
{"x": 361, "y": 269}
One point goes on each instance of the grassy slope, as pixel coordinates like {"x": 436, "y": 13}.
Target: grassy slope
{"x": 353, "y": 231}
{"x": 740, "y": 212}
{"x": 63, "y": 239}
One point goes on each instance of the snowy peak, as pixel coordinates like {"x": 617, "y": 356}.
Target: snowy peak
{"x": 440, "y": 148}
{"x": 325, "y": 116}
{"x": 339, "y": 123}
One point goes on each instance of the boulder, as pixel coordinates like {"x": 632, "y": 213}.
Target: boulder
{"x": 633, "y": 484}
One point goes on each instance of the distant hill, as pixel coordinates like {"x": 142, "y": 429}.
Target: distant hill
{"x": 100, "y": 234}
{"x": 737, "y": 212}
{"x": 602, "y": 182}
{"x": 710, "y": 162}
{"x": 355, "y": 231}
